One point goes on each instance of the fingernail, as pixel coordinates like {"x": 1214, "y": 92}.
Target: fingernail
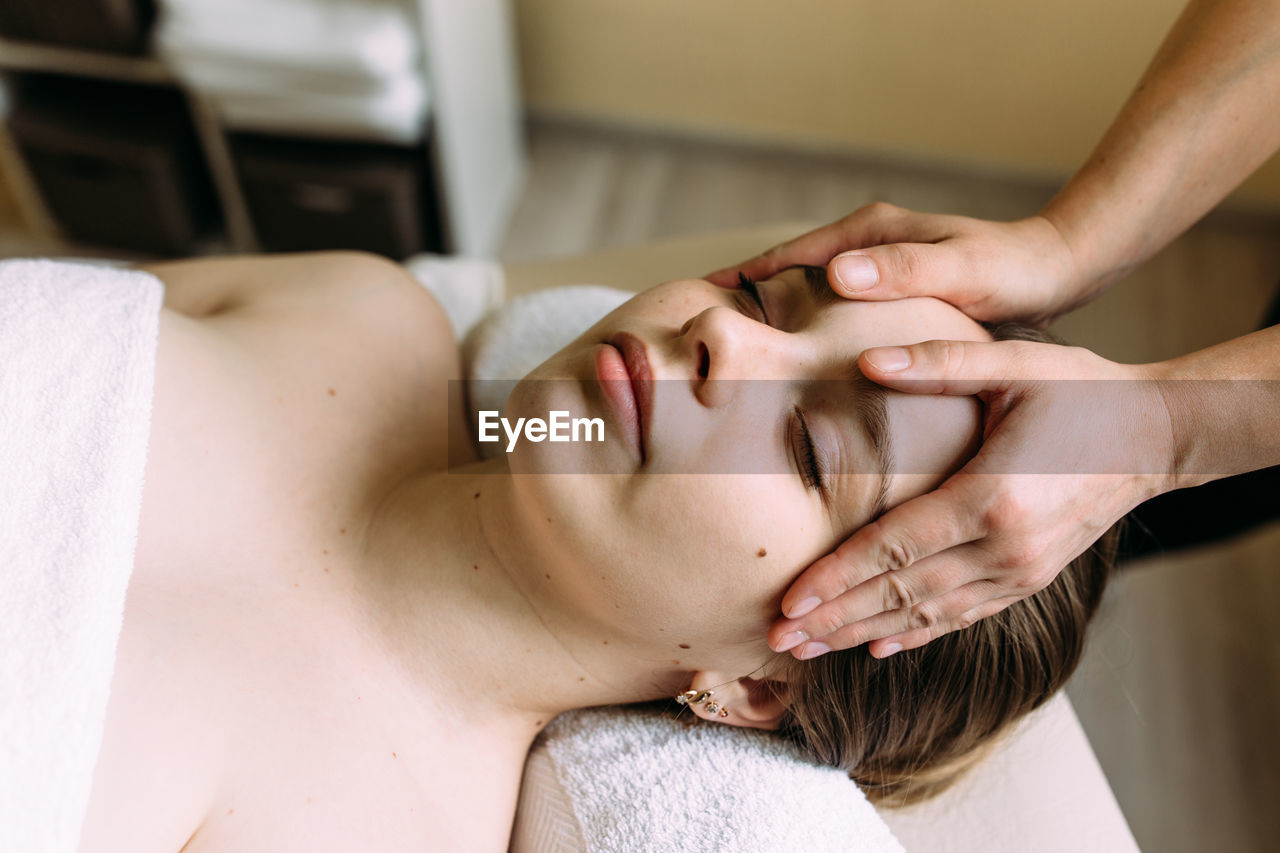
{"x": 791, "y": 640}
{"x": 856, "y": 273}
{"x": 803, "y": 607}
{"x": 812, "y": 650}
{"x": 889, "y": 359}
{"x": 892, "y": 649}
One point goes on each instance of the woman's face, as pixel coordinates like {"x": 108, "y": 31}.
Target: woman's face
{"x": 756, "y": 448}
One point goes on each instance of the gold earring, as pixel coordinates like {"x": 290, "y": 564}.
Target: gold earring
{"x": 693, "y": 697}
{"x": 697, "y": 697}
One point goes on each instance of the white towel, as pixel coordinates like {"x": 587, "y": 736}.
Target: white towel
{"x": 637, "y": 781}
{"x": 394, "y": 113}
{"x": 363, "y": 38}
{"x": 77, "y": 373}
{"x": 343, "y": 68}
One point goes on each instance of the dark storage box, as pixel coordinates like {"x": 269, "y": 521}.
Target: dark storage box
{"x": 306, "y": 194}
{"x": 115, "y": 26}
{"x": 118, "y": 165}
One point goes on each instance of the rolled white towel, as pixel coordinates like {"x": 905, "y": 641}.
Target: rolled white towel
{"x": 217, "y": 74}
{"x": 371, "y": 38}
{"x": 299, "y": 66}
{"x": 394, "y": 113}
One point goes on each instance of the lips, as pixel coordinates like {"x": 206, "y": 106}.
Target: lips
{"x": 623, "y": 369}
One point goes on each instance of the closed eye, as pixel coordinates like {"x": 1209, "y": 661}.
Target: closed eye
{"x": 749, "y": 287}
{"x": 806, "y": 455}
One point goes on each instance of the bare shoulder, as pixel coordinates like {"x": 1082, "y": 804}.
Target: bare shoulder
{"x": 203, "y": 287}
{"x": 329, "y": 368}
{"x": 355, "y": 336}
{"x": 361, "y": 292}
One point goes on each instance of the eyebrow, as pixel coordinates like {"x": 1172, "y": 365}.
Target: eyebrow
{"x": 871, "y": 405}
{"x": 816, "y": 279}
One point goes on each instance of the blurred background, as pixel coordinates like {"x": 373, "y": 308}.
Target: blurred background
{"x": 531, "y": 129}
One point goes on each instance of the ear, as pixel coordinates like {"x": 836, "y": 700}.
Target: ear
{"x": 753, "y": 703}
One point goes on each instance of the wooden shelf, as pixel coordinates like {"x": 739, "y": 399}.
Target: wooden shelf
{"x": 25, "y": 56}
{"x": 476, "y": 155}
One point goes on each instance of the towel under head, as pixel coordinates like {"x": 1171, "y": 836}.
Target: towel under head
{"x": 633, "y": 779}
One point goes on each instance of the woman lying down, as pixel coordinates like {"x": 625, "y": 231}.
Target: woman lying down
{"x": 337, "y": 636}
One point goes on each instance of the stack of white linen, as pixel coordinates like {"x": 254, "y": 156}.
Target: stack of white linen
{"x": 347, "y": 68}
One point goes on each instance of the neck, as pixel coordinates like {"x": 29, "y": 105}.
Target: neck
{"x": 468, "y": 609}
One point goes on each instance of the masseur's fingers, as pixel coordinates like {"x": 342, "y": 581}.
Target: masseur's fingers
{"x": 964, "y": 367}
{"x": 883, "y": 549}
{"x": 1071, "y": 442}
{"x": 918, "y": 637}
{"x": 816, "y": 248}
{"x": 890, "y": 603}
{"x": 993, "y": 271}
{"x": 875, "y": 225}
{"x": 949, "y": 611}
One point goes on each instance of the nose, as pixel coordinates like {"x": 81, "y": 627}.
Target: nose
{"x": 724, "y": 347}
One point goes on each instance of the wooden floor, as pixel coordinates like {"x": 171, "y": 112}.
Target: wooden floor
{"x": 1180, "y": 689}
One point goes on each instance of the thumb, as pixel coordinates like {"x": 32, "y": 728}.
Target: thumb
{"x": 955, "y": 367}
{"x": 895, "y": 270}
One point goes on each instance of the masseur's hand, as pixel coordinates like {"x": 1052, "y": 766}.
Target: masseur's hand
{"x": 1071, "y": 442}
{"x": 992, "y": 271}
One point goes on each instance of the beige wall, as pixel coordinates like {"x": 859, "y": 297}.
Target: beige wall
{"x": 1005, "y": 85}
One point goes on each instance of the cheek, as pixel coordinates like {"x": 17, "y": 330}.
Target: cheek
{"x": 737, "y": 441}
{"x": 721, "y": 551}
{"x": 695, "y": 559}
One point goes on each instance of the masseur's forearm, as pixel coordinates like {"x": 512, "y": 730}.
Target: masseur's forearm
{"x": 1224, "y": 407}
{"x": 1203, "y": 117}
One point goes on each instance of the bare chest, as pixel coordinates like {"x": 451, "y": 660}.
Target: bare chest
{"x": 263, "y": 719}
{"x": 251, "y": 708}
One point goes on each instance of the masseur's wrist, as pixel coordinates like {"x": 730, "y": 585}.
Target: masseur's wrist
{"x": 1161, "y": 426}
{"x": 1043, "y": 270}
{"x": 1199, "y": 407}
{"x": 1095, "y": 257}
{"x": 1224, "y": 407}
